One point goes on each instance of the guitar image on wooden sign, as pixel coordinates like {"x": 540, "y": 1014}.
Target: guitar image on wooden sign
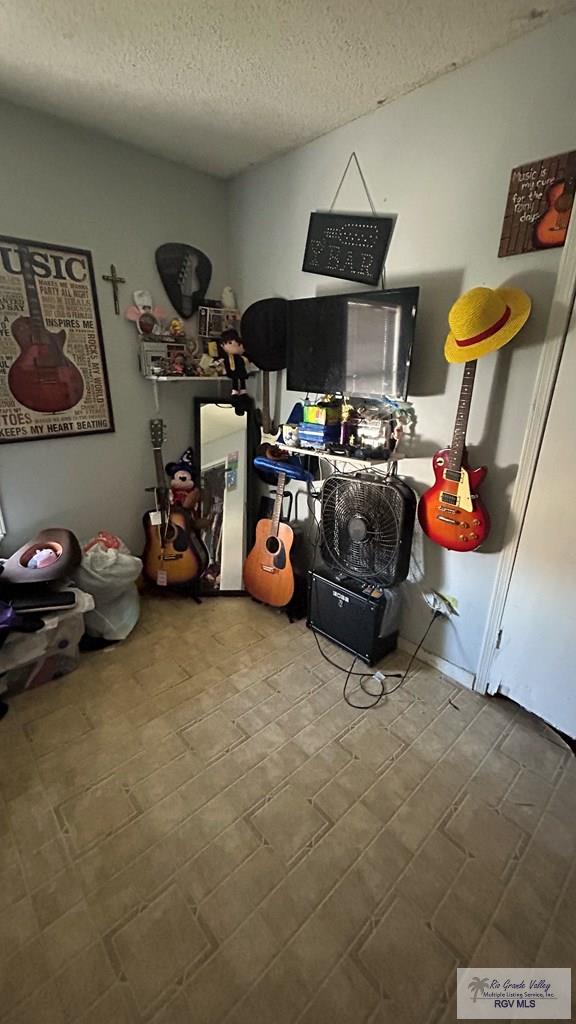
{"x": 551, "y": 229}
{"x": 42, "y": 378}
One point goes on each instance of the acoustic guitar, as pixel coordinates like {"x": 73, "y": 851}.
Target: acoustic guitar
{"x": 451, "y": 512}
{"x": 551, "y": 229}
{"x": 42, "y": 378}
{"x": 174, "y": 555}
{"x": 268, "y": 574}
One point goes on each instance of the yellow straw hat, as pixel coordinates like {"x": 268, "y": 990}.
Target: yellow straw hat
{"x": 483, "y": 320}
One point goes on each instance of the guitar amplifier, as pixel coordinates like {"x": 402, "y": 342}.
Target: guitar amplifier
{"x": 362, "y": 617}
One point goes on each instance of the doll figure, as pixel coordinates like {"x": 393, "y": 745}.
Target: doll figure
{"x": 178, "y": 365}
{"x": 235, "y": 362}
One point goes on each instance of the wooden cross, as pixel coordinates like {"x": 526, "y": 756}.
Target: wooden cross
{"x": 114, "y": 280}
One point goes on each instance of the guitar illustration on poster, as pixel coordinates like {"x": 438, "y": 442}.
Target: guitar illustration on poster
{"x": 42, "y": 378}
{"x": 53, "y": 379}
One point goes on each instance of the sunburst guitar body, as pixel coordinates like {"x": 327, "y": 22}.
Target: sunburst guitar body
{"x": 174, "y": 555}
{"x": 172, "y": 552}
{"x": 451, "y": 513}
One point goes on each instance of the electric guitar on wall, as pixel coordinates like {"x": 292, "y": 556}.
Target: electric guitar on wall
{"x": 450, "y": 512}
{"x": 42, "y": 378}
{"x": 174, "y": 554}
{"x": 268, "y": 574}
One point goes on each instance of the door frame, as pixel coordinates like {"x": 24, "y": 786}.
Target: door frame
{"x": 552, "y": 349}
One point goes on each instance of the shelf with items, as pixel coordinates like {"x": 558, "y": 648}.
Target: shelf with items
{"x": 155, "y": 380}
{"x": 321, "y": 453}
{"x": 193, "y": 378}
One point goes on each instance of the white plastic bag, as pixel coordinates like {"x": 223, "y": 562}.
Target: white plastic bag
{"x": 109, "y": 574}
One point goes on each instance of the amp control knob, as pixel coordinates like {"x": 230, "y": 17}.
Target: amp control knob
{"x": 475, "y": 522}
{"x": 473, "y": 536}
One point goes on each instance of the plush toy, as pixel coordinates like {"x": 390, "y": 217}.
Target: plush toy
{"x": 145, "y": 316}
{"x": 176, "y": 328}
{"x": 235, "y": 362}
{"x": 184, "y": 490}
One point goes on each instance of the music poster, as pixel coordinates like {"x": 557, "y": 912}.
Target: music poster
{"x": 53, "y": 378}
{"x": 539, "y": 204}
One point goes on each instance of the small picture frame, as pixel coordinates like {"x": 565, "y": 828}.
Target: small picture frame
{"x": 212, "y": 320}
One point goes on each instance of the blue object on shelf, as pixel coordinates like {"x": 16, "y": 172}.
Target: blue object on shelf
{"x": 291, "y": 467}
{"x": 318, "y": 434}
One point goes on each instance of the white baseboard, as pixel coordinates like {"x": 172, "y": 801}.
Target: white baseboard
{"x": 455, "y": 672}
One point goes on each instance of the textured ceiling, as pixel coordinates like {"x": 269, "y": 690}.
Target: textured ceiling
{"x": 222, "y": 84}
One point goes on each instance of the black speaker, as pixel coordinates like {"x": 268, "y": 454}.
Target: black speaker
{"x": 362, "y": 617}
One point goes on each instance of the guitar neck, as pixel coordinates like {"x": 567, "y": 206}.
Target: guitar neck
{"x": 160, "y": 476}
{"x": 278, "y": 504}
{"x": 266, "y": 418}
{"x": 462, "y": 416}
{"x": 34, "y": 307}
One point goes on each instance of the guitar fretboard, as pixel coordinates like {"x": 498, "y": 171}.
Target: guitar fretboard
{"x": 34, "y": 307}
{"x": 278, "y": 504}
{"x": 462, "y": 417}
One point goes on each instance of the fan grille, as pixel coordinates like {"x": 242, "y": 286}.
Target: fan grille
{"x": 363, "y": 525}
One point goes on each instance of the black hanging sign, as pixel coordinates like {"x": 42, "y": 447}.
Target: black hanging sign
{"x": 347, "y": 246}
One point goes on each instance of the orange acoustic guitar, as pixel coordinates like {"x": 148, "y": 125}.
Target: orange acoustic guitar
{"x": 268, "y": 574}
{"x": 42, "y": 378}
{"x": 174, "y": 554}
{"x": 451, "y": 513}
{"x": 551, "y": 229}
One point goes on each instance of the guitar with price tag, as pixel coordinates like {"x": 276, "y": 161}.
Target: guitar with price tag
{"x": 174, "y": 555}
{"x": 451, "y": 512}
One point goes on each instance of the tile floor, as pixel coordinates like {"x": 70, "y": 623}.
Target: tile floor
{"x": 194, "y": 827}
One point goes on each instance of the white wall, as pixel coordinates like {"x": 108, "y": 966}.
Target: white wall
{"x": 60, "y": 184}
{"x": 233, "y": 532}
{"x": 440, "y": 158}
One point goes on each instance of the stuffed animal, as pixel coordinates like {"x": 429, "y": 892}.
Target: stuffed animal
{"x": 184, "y": 490}
{"x": 176, "y": 329}
{"x": 146, "y": 317}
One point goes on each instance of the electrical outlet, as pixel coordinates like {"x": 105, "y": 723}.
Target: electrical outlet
{"x": 443, "y": 604}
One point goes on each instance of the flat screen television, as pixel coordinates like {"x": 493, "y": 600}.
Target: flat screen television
{"x": 358, "y": 344}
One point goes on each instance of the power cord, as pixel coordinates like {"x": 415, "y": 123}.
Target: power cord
{"x": 378, "y": 677}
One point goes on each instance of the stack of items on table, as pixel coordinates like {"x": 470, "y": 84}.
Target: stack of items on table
{"x": 52, "y": 593}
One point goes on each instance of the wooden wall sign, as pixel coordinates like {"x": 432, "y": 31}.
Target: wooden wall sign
{"x": 539, "y": 204}
{"x": 350, "y": 247}
{"x": 53, "y": 379}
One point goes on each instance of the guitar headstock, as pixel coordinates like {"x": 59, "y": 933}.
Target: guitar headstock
{"x": 187, "y": 277}
{"x": 157, "y": 432}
